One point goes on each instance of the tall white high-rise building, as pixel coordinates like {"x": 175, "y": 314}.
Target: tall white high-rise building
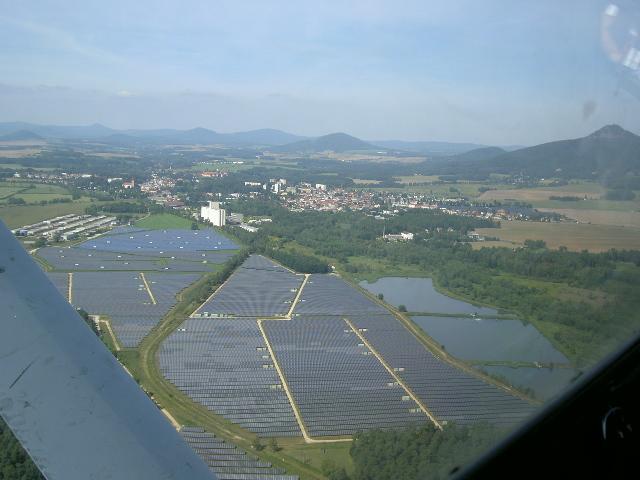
{"x": 213, "y": 213}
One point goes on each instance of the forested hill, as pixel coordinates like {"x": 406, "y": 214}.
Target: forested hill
{"x": 335, "y": 142}
{"x": 19, "y": 136}
{"x": 607, "y": 154}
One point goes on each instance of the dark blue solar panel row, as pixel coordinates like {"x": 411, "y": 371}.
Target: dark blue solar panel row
{"x": 450, "y": 394}
{"x": 124, "y": 229}
{"x": 78, "y": 259}
{"x": 258, "y": 288}
{"x": 330, "y": 295}
{"x": 123, "y": 297}
{"x": 339, "y": 386}
{"x": 228, "y": 461}
{"x": 61, "y": 281}
{"x": 258, "y": 262}
{"x": 224, "y": 365}
{"x": 161, "y": 240}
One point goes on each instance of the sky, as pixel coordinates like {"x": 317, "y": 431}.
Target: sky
{"x": 492, "y": 71}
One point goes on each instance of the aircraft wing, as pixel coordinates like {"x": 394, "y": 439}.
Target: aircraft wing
{"x": 76, "y": 411}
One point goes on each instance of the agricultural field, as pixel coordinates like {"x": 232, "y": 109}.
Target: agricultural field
{"x": 451, "y": 190}
{"x": 39, "y": 197}
{"x": 163, "y": 220}
{"x": 8, "y": 190}
{"x": 6, "y": 163}
{"x": 591, "y": 197}
{"x": 8, "y": 152}
{"x": 409, "y": 179}
{"x": 223, "y": 166}
{"x": 574, "y": 236}
{"x": 17, "y": 215}
{"x": 31, "y": 192}
{"x": 600, "y": 217}
{"x": 590, "y": 207}
{"x": 532, "y": 195}
{"x": 364, "y": 181}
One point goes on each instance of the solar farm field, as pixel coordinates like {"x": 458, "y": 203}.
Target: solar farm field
{"x": 338, "y": 385}
{"x": 131, "y": 275}
{"x": 78, "y": 259}
{"x": 61, "y": 282}
{"x": 228, "y": 461}
{"x": 133, "y": 302}
{"x": 160, "y": 241}
{"x": 225, "y": 365}
{"x": 259, "y": 288}
{"x": 283, "y": 354}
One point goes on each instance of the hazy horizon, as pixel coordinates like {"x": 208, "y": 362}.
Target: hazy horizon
{"x": 492, "y": 74}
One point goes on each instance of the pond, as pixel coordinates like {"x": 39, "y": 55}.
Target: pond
{"x": 419, "y": 295}
{"x": 545, "y": 382}
{"x": 490, "y": 339}
{"x": 480, "y": 339}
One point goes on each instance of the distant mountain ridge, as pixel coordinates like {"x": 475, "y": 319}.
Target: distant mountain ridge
{"x": 608, "y": 152}
{"x": 57, "y": 131}
{"x": 20, "y": 135}
{"x": 335, "y": 142}
{"x": 428, "y": 147}
{"x": 98, "y": 132}
{"x": 266, "y": 137}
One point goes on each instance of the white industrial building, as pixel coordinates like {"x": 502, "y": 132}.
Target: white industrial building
{"x": 214, "y": 213}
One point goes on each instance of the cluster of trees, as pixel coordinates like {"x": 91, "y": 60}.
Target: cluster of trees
{"x": 87, "y": 319}
{"x": 70, "y": 160}
{"x": 565, "y": 198}
{"x": 420, "y": 452}
{"x": 345, "y": 234}
{"x": 116, "y": 207}
{"x": 620, "y": 194}
{"x": 53, "y": 201}
{"x": 15, "y": 464}
{"x": 292, "y": 258}
{"x": 624, "y": 182}
{"x": 298, "y": 261}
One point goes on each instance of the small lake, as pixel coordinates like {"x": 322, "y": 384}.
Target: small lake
{"x": 419, "y": 295}
{"x": 479, "y": 339}
{"x": 490, "y": 339}
{"x": 545, "y": 382}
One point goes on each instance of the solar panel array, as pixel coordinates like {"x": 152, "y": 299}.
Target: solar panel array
{"x": 61, "y": 281}
{"x": 258, "y": 288}
{"x": 339, "y": 386}
{"x": 123, "y": 297}
{"x": 450, "y": 393}
{"x": 161, "y": 240}
{"x": 82, "y": 259}
{"x": 229, "y": 462}
{"x": 330, "y": 295}
{"x": 224, "y": 365}
{"x": 106, "y": 273}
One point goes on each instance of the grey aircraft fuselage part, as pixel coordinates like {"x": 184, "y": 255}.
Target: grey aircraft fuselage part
{"x": 66, "y": 398}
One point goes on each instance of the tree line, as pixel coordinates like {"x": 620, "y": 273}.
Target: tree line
{"x": 419, "y": 452}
